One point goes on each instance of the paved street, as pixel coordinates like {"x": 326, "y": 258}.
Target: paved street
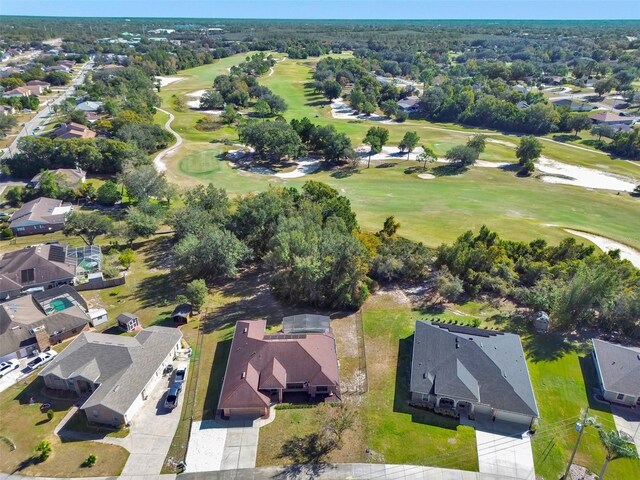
{"x": 37, "y": 120}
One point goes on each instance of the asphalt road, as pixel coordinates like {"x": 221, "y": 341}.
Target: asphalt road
{"x": 29, "y": 127}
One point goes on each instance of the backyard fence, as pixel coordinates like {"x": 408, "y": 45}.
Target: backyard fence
{"x": 100, "y": 283}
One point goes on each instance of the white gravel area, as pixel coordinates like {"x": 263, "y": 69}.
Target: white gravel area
{"x": 164, "y": 81}
{"x": 426, "y": 176}
{"x": 606, "y": 245}
{"x": 583, "y": 177}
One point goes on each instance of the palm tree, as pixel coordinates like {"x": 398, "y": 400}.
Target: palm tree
{"x": 616, "y": 447}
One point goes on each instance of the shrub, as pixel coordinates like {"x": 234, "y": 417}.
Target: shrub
{"x": 90, "y": 461}
{"x": 6, "y": 233}
{"x": 44, "y": 450}
{"x": 126, "y": 258}
{"x": 50, "y": 414}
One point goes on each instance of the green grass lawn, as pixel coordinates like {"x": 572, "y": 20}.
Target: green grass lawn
{"x": 562, "y": 376}
{"x": 23, "y": 425}
{"x": 436, "y": 211}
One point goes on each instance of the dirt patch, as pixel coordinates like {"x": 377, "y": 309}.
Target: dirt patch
{"x": 398, "y": 295}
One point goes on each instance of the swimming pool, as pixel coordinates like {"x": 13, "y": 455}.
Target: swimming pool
{"x": 60, "y": 304}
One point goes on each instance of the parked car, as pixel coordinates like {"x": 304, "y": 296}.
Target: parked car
{"x": 6, "y": 367}
{"x": 41, "y": 359}
{"x": 4, "y": 215}
{"x": 181, "y": 376}
{"x": 172, "y": 397}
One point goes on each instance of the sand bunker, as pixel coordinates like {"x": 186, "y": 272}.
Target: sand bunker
{"x": 502, "y": 142}
{"x": 305, "y": 166}
{"x": 387, "y": 153}
{"x": 606, "y": 245}
{"x": 342, "y": 111}
{"x": 583, "y": 177}
{"x": 426, "y": 176}
{"x": 164, "y": 81}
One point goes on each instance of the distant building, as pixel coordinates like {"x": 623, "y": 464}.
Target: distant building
{"x": 38, "y": 83}
{"x": 42, "y": 215}
{"x": 116, "y": 372}
{"x": 69, "y": 177}
{"x": 17, "y": 92}
{"x": 618, "y": 370}
{"x": 611, "y": 118}
{"x": 574, "y": 105}
{"x": 90, "y": 106}
{"x": 73, "y": 130}
{"x": 522, "y": 105}
{"x": 36, "y": 322}
{"x": 409, "y": 104}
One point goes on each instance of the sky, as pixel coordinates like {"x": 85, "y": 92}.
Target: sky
{"x": 331, "y": 9}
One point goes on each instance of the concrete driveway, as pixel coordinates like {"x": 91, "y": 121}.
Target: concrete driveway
{"x": 151, "y": 432}
{"x": 15, "y": 376}
{"x": 627, "y": 422}
{"x": 224, "y": 445}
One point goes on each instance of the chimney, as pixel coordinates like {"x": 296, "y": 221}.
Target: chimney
{"x": 42, "y": 339}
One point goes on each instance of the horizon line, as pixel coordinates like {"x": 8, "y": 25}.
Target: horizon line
{"x": 333, "y": 19}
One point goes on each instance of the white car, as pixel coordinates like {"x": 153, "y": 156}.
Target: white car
{"x": 6, "y": 367}
{"x": 41, "y": 359}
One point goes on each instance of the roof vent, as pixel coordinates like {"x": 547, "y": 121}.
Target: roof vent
{"x": 244, "y": 375}
{"x": 245, "y": 330}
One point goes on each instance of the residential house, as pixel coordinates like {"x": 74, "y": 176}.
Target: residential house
{"x": 35, "y": 90}
{"x": 58, "y": 68}
{"x": 73, "y": 130}
{"x": 117, "y": 373}
{"x": 618, "y": 370}
{"x": 409, "y": 104}
{"x": 574, "y": 105}
{"x": 34, "y": 323}
{"x": 36, "y": 268}
{"x": 39, "y": 83}
{"x": 42, "y": 215}
{"x": 128, "y": 322}
{"x": 89, "y": 106}
{"x": 480, "y": 374}
{"x": 6, "y": 110}
{"x": 17, "y": 92}
{"x": 265, "y": 369}
{"x": 611, "y": 118}
{"x": 69, "y": 177}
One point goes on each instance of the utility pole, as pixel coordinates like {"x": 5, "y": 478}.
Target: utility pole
{"x": 575, "y": 448}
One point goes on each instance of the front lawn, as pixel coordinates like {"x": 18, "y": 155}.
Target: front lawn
{"x": 563, "y": 377}
{"x": 23, "y": 425}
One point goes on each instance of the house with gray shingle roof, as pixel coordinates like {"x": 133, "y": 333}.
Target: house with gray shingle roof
{"x": 480, "y": 374}
{"x": 113, "y": 374}
{"x": 42, "y": 215}
{"x": 618, "y": 370}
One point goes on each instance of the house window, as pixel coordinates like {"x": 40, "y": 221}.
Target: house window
{"x": 620, "y": 396}
{"x": 295, "y": 386}
{"x": 322, "y": 389}
{"x": 28, "y": 275}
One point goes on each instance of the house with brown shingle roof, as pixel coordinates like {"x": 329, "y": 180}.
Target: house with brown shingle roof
{"x": 42, "y": 215}
{"x": 39, "y": 83}
{"x": 73, "y": 130}
{"x": 35, "y": 268}
{"x": 36, "y": 322}
{"x": 17, "y": 92}
{"x": 265, "y": 369}
{"x": 69, "y": 177}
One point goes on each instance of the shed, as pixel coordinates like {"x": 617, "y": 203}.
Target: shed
{"x": 97, "y": 316}
{"x": 128, "y": 322}
{"x": 182, "y": 313}
{"x": 541, "y": 322}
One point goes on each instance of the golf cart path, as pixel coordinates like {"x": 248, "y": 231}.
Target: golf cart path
{"x": 157, "y": 161}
